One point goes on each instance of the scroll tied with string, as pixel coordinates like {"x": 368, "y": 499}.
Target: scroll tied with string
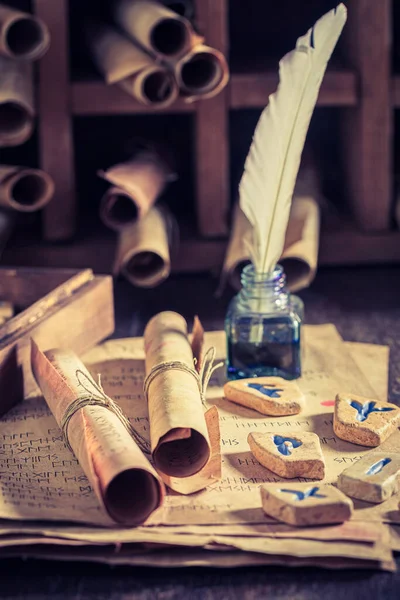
{"x": 185, "y": 440}
{"x": 108, "y": 448}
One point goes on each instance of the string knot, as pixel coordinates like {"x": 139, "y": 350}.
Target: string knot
{"x": 94, "y": 395}
{"x": 202, "y": 378}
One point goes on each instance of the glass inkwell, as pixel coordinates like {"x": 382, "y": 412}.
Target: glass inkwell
{"x": 263, "y": 325}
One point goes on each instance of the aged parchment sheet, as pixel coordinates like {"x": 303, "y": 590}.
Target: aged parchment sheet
{"x": 39, "y": 476}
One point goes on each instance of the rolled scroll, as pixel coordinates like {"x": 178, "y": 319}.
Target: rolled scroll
{"x": 24, "y": 189}
{"x": 185, "y": 8}
{"x": 127, "y": 486}
{"x": 159, "y": 30}
{"x": 202, "y": 73}
{"x": 123, "y": 63}
{"x": 300, "y": 254}
{"x": 143, "y": 251}
{"x": 136, "y": 186}
{"x": 22, "y": 36}
{"x": 179, "y": 437}
{"x": 16, "y": 102}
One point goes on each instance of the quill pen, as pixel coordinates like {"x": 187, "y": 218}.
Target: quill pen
{"x": 271, "y": 167}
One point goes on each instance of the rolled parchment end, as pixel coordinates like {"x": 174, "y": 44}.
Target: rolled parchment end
{"x": 118, "y": 209}
{"x": 23, "y": 189}
{"x": 300, "y": 256}
{"x": 22, "y": 36}
{"x": 185, "y": 8}
{"x": 16, "y": 102}
{"x": 237, "y": 254}
{"x": 127, "y": 486}
{"x": 155, "y": 86}
{"x": 202, "y": 72}
{"x": 136, "y": 186}
{"x": 134, "y": 71}
{"x": 212, "y": 471}
{"x": 178, "y": 431}
{"x": 143, "y": 255}
{"x": 158, "y": 29}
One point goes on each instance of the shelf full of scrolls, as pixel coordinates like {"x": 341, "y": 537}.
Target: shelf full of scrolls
{"x": 358, "y": 90}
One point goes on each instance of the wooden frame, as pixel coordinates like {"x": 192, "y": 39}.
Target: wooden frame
{"x": 363, "y": 91}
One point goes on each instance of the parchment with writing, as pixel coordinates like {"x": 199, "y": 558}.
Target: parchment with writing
{"x": 40, "y": 478}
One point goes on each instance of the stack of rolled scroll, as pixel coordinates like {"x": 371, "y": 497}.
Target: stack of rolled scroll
{"x": 145, "y": 230}
{"x": 23, "y": 39}
{"x": 300, "y": 255}
{"x": 153, "y": 53}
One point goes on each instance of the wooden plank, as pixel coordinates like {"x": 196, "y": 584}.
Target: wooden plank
{"x": 344, "y": 247}
{"x": 367, "y": 131}
{"x": 251, "y": 90}
{"x": 396, "y": 91}
{"x": 77, "y": 321}
{"x": 55, "y": 132}
{"x": 96, "y": 98}
{"x": 25, "y": 286}
{"x": 358, "y": 248}
{"x": 212, "y": 138}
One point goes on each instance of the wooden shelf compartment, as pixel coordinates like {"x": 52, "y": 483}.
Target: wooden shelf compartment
{"x": 358, "y": 83}
{"x": 246, "y": 90}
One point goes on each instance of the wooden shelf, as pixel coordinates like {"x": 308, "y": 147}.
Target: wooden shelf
{"x": 97, "y": 98}
{"x": 396, "y": 91}
{"x": 251, "y": 90}
{"x": 364, "y": 95}
{"x": 344, "y": 247}
{"x": 247, "y": 90}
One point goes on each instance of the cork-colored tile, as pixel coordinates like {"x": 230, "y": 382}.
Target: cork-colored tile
{"x": 364, "y": 421}
{"x": 374, "y": 478}
{"x": 272, "y": 396}
{"x": 305, "y": 504}
{"x": 295, "y": 454}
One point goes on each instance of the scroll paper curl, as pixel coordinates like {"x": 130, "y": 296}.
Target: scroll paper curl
{"x": 22, "y": 35}
{"x": 143, "y": 250}
{"x": 179, "y": 437}
{"x": 16, "y": 102}
{"x": 123, "y": 63}
{"x": 125, "y": 483}
{"x": 136, "y": 185}
{"x": 24, "y": 189}
{"x": 159, "y": 30}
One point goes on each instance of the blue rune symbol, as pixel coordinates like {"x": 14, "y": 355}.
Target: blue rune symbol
{"x": 285, "y": 445}
{"x": 310, "y": 493}
{"x": 378, "y": 466}
{"x": 364, "y": 410}
{"x": 267, "y": 390}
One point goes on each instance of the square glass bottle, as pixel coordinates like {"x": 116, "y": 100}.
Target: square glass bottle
{"x": 263, "y": 327}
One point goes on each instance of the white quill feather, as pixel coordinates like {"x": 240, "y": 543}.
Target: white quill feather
{"x": 271, "y": 167}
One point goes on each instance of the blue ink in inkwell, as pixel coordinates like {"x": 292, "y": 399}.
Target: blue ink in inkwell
{"x": 262, "y": 325}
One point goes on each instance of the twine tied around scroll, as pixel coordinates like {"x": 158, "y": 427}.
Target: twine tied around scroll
{"x": 202, "y": 378}
{"x": 98, "y": 397}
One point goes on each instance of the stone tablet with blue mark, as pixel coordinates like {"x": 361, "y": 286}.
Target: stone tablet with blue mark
{"x": 364, "y": 421}
{"x": 305, "y": 504}
{"x": 374, "y": 478}
{"x": 272, "y": 396}
{"x": 290, "y": 455}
